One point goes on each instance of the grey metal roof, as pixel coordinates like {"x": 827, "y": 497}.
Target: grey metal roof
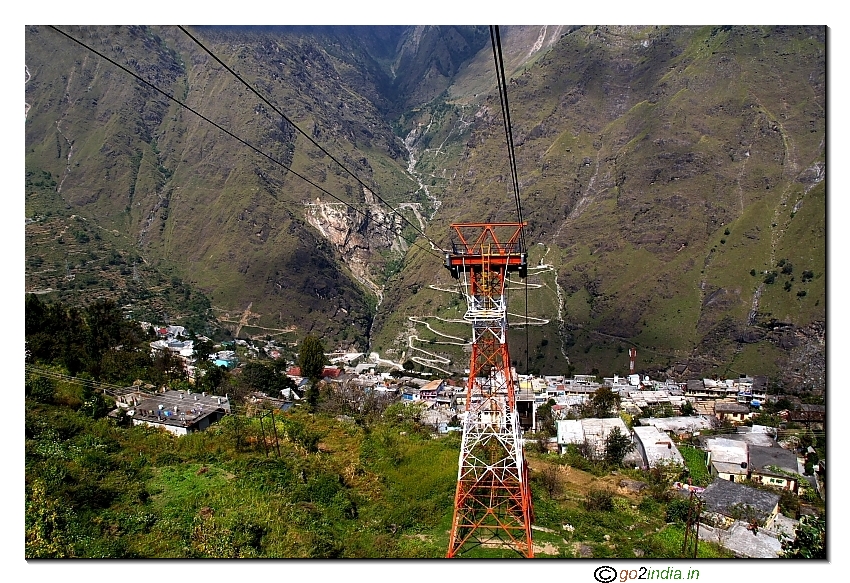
{"x": 723, "y": 496}
{"x": 730, "y": 408}
{"x": 657, "y": 446}
{"x": 761, "y": 457}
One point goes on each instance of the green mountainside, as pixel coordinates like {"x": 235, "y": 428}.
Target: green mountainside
{"x": 672, "y": 179}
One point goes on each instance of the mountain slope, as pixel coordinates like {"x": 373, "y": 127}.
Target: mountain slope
{"x": 672, "y": 178}
{"x": 662, "y": 165}
{"x": 221, "y": 216}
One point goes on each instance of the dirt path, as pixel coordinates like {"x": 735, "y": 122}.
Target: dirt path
{"x": 26, "y": 80}
{"x": 243, "y": 321}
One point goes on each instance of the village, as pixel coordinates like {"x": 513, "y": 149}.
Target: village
{"x": 738, "y": 449}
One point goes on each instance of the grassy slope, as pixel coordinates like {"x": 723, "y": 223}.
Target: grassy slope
{"x": 388, "y": 493}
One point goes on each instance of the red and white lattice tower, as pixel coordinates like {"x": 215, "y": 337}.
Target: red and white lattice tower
{"x": 493, "y": 497}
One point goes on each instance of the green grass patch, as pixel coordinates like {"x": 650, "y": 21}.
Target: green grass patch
{"x": 695, "y": 462}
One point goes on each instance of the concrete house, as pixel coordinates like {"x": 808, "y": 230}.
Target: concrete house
{"x": 775, "y": 466}
{"x": 592, "y": 432}
{"x": 729, "y": 501}
{"x": 732, "y": 412}
{"x": 680, "y": 425}
{"x": 180, "y": 412}
{"x": 727, "y": 459}
{"x": 429, "y": 391}
{"x": 656, "y": 447}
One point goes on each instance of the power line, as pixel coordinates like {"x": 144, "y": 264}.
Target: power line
{"x": 235, "y": 137}
{"x": 91, "y": 383}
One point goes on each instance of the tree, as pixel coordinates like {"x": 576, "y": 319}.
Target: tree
{"x": 545, "y": 419}
{"x": 94, "y": 405}
{"x": 203, "y": 349}
{"x": 258, "y": 376}
{"x": 311, "y": 358}
{"x": 603, "y": 401}
{"x": 209, "y": 377}
{"x": 550, "y": 479}
{"x": 617, "y": 446}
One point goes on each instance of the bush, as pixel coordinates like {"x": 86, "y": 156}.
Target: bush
{"x": 42, "y": 389}
{"x": 648, "y": 505}
{"x": 599, "y": 499}
{"x": 677, "y": 510}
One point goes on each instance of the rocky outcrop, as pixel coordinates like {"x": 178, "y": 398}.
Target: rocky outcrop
{"x": 361, "y": 237}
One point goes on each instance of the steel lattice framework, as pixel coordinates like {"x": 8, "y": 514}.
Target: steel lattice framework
{"x": 493, "y": 497}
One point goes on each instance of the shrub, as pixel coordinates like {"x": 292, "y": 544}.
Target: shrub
{"x": 599, "y": 499}
{"x": 42, "y": 389}
{"x": 648, "y": 505}
{"x": 677, "y": 510}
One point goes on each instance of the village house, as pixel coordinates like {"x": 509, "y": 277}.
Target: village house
{"x": 430, "y": 391}
{"x": 681, "y": 425}
{"x": 732, "y": 412}
{"x": 411, "y": 395}
{"x": 656, "y": 448}
{"x": 180, "y": 412}
{"x": 753, "y": 435}
{"x": 591, "y": 433}
{"x": 775, "y": 466}
{"x": 807, "y": 414}
{"x": 727, "y": 501}
{"x": 727, "y": 459}
{"x": 652, "y": 400}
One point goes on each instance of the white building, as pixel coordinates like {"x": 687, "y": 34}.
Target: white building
{"x": 656, "y": 447}
{"x": 592, "y": 432}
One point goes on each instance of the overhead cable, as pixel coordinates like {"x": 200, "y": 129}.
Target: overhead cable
{"x": 496, "y": 41}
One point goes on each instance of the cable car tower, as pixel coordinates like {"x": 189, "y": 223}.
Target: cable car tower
{"x": 493, "y": 497}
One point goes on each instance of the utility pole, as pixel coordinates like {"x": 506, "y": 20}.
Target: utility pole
{"x": 690, "y": 542}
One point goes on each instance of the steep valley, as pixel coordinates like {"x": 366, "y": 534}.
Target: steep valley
{"x": 673, "y": 180}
